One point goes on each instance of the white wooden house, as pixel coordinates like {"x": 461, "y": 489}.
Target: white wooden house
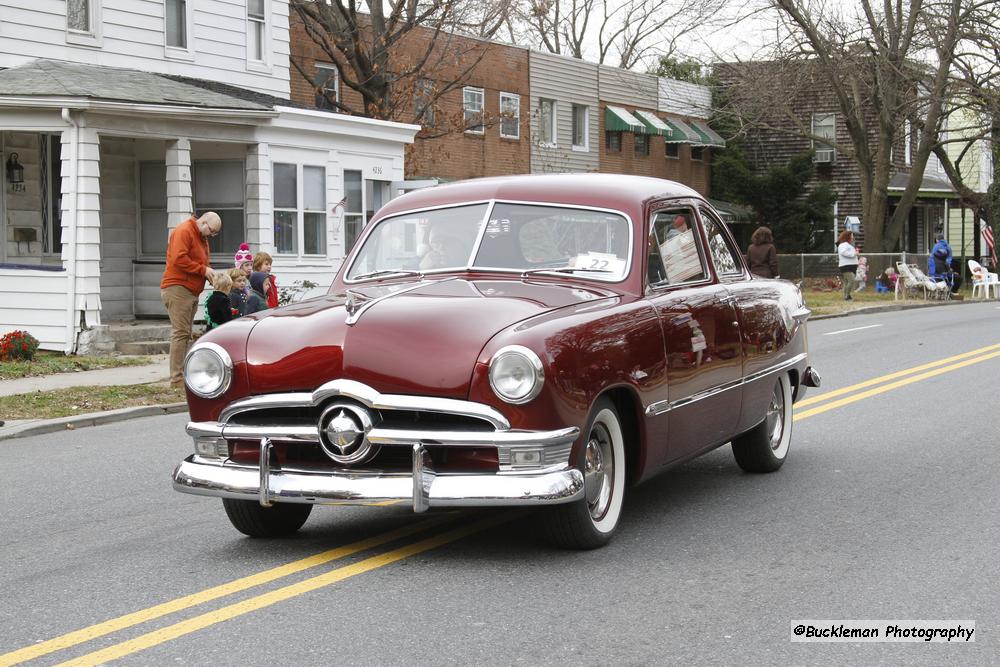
{"x": 121, "y": 118}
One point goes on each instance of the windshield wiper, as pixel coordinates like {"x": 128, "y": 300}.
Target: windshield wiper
{"x": 386, "y": 272}
{"x": 564, "y": 269}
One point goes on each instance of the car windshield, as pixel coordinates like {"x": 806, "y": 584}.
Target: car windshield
{"x": 512, "y": 237}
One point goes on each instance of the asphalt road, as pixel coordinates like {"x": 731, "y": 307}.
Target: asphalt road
{"x": 886, "y": 509}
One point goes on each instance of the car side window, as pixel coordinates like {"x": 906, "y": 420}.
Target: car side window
{"x": 723, "y": 254}
{"x": 673, "y": 249}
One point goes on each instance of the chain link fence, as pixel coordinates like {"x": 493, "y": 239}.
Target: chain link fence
{"x": 801, "y": 267}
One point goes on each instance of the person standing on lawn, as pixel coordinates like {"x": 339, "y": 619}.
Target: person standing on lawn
{"x": 762, "y": 255}
{"x": 847, "y": 261}
{"x": 183, "y": 280}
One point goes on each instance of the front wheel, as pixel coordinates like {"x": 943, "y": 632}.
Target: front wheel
{"x": 764, "y": 448}
{"x": 278, "y": 520}
{"x": 591, "y": 521}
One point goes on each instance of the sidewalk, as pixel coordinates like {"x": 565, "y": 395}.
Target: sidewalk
{"x": 123, "y": 375}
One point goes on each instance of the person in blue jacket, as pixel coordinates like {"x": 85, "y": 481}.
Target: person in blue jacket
{"x": 941, "y": 259}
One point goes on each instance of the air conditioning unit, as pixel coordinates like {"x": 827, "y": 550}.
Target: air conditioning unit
{"x": 824, "y": 155}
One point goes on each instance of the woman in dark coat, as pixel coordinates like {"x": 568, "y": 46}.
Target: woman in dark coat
{"x": 762, "y": 255}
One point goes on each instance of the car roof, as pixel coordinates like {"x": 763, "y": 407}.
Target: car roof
{"x": 615, "y": 191}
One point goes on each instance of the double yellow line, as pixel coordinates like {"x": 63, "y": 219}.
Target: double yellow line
{"x": 858, "y": 392}
{"x": 227, "y": 612}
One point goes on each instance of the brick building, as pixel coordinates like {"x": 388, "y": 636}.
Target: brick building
{"x": 529, "y": 112}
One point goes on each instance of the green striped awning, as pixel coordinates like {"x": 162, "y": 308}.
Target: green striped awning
{"x": 706, "y": 135}
{"x": 617, "y": 119}
{"x": 678, "y": 136}
{"x": 653, "y": 124}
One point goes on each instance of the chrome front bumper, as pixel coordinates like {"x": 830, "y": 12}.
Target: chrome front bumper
{"x": 423, "y": 486}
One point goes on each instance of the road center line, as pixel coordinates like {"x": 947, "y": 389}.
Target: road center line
{"x": 834, "y": 333}
{"x": 799, "y": 416}
{"x": 812, "y": 400}
{"x": 228, "y": 612}
{"x": 222, "y": 590}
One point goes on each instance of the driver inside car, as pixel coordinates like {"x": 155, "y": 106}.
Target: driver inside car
{"x": 443, "y": 250}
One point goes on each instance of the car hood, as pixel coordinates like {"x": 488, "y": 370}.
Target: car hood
{"x": 408, "y": 338}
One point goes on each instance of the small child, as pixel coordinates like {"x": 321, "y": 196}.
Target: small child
{"x": 244, "y": 260}
{"x": 217, "y": 308}
{"x": 240, "y": 292}
{"x": 262, "y": 262}
{"x": 257, "y": 301}
{"x": 861, "y": 275}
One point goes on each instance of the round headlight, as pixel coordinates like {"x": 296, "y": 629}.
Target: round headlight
{"x": 516, "y": 374}
{"x": 208, "y": 370}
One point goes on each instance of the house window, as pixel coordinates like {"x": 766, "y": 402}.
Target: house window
{"x": 697, "y": 153}
{"x": 547, "y": 122}
{"x": 581, "y": 127}
{"x": 907, "y": 138}
{"x": 256, "y": 30}
{"x": 354, "y": 208}
{"x": 327, "y": 85}
{"x": 153, "y": 208}
{"x": 472, "y": 102}
{"x": 613, "y": 142}
{"x": 423, "y": 102}
{"x": 299, "y": 209}
{"x": 642, "y": 144}
{"x": 78, "y": 16}
{"x": 176, "y": 16}
{"x": 673, "y": 150}
{"x": 218, "y": 186}
{"x": 824, "y": 129}
{"x": 510, "y": 116}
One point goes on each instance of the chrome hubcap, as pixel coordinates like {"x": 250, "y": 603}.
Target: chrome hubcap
{"x": 776, "y": 417}
{"x": 599, "y": 464}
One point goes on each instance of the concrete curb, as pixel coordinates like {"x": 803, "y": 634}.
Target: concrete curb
{"x": 23, "y": 429}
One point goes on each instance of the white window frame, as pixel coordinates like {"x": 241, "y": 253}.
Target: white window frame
{"x": 185, "y": 52}
{"x": 92, "y": 37}
{"x": 264, "y": 64}
{"x": 516, "y": 99}
{"x": 907, "y": 138}
{"x": 822, "y": 145}
{"x": 330, "y": 69}
{"x": 585, "y": 146}
{"x": 479, "y": 128}
{"x": 553, "y": 138}
{"x": 300, "y": 209}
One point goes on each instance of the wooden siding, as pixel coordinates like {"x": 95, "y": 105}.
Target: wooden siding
{"x": 118, "y": 226}
{"x": 568, "y": 81}
{"x": 619, "y": 86}
{"x": 684, "y": 99}
{"x": 34, "y": 301}
{"x": 132, "y": 36}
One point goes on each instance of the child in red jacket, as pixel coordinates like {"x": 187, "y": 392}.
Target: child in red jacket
{"x": 262, "y": 262}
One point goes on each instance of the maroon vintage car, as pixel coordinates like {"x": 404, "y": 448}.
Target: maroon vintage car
{"x": 538, "y": 341}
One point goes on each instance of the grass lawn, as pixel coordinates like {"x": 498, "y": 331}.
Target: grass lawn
{"x": 832, "y": 303}
{"x": 47, "y": 363}
{"x": 80, "y": 400}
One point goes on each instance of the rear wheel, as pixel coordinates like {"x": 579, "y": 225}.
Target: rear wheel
{"x": 591, "y": 521}
{"x": 278, "y": 520}
{"x": 764, "y": 448}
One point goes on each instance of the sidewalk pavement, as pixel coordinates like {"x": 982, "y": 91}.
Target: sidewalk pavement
{"x": 122, "y": 375}
{"x": 160, "y": 372}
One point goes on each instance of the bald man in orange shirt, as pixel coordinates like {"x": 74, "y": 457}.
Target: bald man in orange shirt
{"x": 183, "y": 280}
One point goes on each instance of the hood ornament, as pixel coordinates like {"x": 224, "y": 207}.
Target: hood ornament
{"x": 354, "y": 301}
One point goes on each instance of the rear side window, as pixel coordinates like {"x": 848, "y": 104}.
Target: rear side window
{"x": 723, "y": 254}
{"x": 674, "y": 252}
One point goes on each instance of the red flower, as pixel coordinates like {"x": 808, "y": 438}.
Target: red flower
{"x": 24, "y": 346}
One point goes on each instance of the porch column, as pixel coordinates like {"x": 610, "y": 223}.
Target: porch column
{"x": 180, "y": 204}
{"x": 259, "y": 211}
{"x": 85, "y": 227}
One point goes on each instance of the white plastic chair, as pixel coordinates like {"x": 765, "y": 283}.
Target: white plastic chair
{"x": 983, "y": 281}
{"x": 907, "y": 282}
{"x": 939, "y": 288}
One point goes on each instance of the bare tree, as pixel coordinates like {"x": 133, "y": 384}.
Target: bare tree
{"x": 622, "y": 33}
{"x": 400, "y": 57}
{"x": 884, "y": 65}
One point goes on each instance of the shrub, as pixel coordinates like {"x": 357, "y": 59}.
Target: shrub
{"x": 18, "y": 345}
{"x": 287, "y": 295}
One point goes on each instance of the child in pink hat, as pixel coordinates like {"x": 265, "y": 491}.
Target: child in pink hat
{"x": 244, "y": 259}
